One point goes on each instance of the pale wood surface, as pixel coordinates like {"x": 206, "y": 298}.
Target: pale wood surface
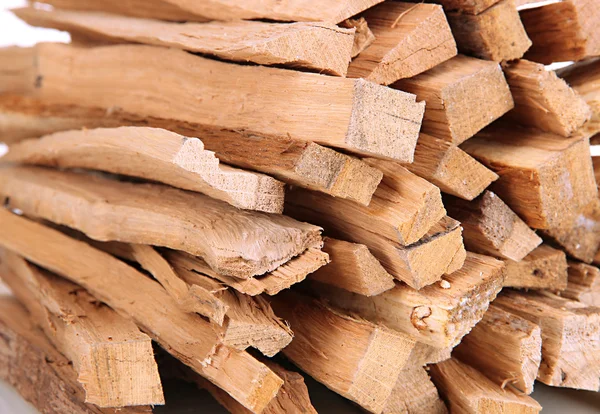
{"x": 414, "y": 393}
{"x": 467, "y": 6}
{"x": 583, "y": 284}
{"x": 543, "y": 268}
{"x": 363, "y": 36}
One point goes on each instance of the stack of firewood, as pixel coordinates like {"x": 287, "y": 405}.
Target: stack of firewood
{"x": 397, "y": 198}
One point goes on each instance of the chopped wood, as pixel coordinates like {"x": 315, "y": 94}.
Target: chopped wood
{"x": 353, "y": 268}
{"x": 100, "y": 343}
{"x": 467, "y": 6}
{"x": 583, "y": 284}
{"x": 424, "y": 354}
{"x": 570, "y": 337}
{"x": 504, "y": 347}
{"x": 17, "y": 73}
{"x": 414, "y": 393}
{"x": 491, "y": 227}
{"x": 409, "y": 39}
{"x": 463, "y": 95}
{"x": 363, "y": 36}
{"x": 467, "y": 390}
{"x": 583, "y": 78}
{"x": 543, "y": 268}
{"x": 157, "y": 155}
{"x": 319, "y": 47}
{"x": 227, "y": 238}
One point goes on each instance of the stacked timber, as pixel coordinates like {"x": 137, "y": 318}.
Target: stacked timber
{"x": 396, "y": 199}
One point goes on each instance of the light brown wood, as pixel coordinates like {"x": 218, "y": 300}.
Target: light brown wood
{"x": 583, "y": 284}
{"x": 570, "y": 337}
{"x": 467, "y": 6}
{"x": 467, "y": 390}
{"x": 357, "y": 359}
{"x": 100, "y": 343}
{"x": 227, "y": 238}
{"x": 319, "y": 47}
{"x": 583, "y": 78}
{"x": 157, "y": 155}
{"x": 17, "y": 73}
{"x": 463, "y": 95}
{"x": 409, "y": 39}
{"x": 505, "y": 348}
{"x": 543, "y": 268}
{"x": 562, "y": 31}
{"x": 491, "y": 227}
{"x": 414, "y": 393}
{"x": 363, "y": 36}
{"x": 424, "y": 354}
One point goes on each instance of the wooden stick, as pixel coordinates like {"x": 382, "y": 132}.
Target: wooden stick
{"x": 409, "y": 39}
{"x": 100, "y": 343}
{"x": 319, "y": 47}
{"x": 584, "y": 284}
{"x": 363, "y": 36}
{"x": 463, "y": 95}
{"x": 543, "y": 268}
{"x": 491, "y": 227}
{"x": 414, "y": 393}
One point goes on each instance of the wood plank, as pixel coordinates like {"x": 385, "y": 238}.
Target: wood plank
{"x": 363, "y": 36}
{"x": 463, "y": 95}
{"x": 491, "y": 227}
{"x": 318, "y": 47}
{"x": 227, "y": 238}
{"x": 100, "y": 343}
{"x": 583, "y": 284}
{"x": 543, "y": 268}
{"x": 409, "y": 39}
{"x": 157, "y": 155}
{"x": 414, "y": 393}
{"x": 188, "y": 337}
{"x": 504, "y": 347}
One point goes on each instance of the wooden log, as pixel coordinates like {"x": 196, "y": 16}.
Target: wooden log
{"x": 495, "y": 34}
{"x": 583, "y": 284}
{"x": 505, "y": 348}
{"x": 467, "y": 390}
{"x": 583, "y": 78}
{"x": 414, "y": 393}
{"x": 102, "y": 209}
{"x": 319, "y": 47}
{"x": 543, "y": 100}
{"x": 157, "y": 155}
{"x": 363, "y": 36}
{"x": 463, "y": 95}
{"x": 357, "y": 359}
{"x": 570, "y": 337}
{"x": 543, "y": 268}
{"x": 409, "y": 39}
{"x": 100, "y": 343}
{"x": 562, "y": 31}
{"x": 188, "y": 337}
{"x": 491, "y": 227}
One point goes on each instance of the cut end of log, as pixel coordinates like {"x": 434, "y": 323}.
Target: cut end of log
{"x": 543, "y": 268}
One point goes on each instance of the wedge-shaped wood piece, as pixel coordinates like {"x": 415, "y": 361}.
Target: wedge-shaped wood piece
{"x": 583, "y": 284}
{"x": 363, "y": 36}
{"x": 190, "y": 338}
{"x": 570, "y": 337}
{"x": 562, "y": 31}
{"x": 505, "y": 347}
{"x": 491, "y": 227}
{"x": 409, "y": 39}
{"x": 100, "y": 343}
{"x": 414, "y": 393}
{"x": 227, "y": 238}
{"x": 543, "y": 268}
{"x": 154, "y": 154}
{"x": 467, "y": 390}
{"x": 357, "y": 359}
{"x": 543, "y": 100}
{"x": 319, "y": 47}
{"x": 463, "y": 95}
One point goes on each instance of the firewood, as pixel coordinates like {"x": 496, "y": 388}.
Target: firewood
{"x": 570, "y": 337}
{"x": 467, "y": 6}
{"x": 491, "y": 227}
{"x": 357, "y": 359}
{"x": 467, "y": 390}
{"x": 153, "y": 154}
{"x": 188, "y": 337}
{"x": 17, "y": 73}
{"x": 409, "y": 39}
{"x": 424, "y": 354}
{"x": 414, "y": 393}
{"x": 504, "y": 347}
{"x": 543, "y": 100}
{"x": 583, "y": 78}
{"x": 353, "y": 268}
{"x": 352, "y": 114}
{"x": 562, "y": 31}
{"x": 363, "y": 36}
{"x": 543, "y": 268}
{"x": 463, "y": 95}
{"x": 583, "y": 284}
{"x": 100, "y": 343}
{"x": 496, "y": 33}
{"x": 164, "y": 216}
{"x": 319, "y": 47}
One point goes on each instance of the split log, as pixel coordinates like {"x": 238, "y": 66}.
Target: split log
{"x": 424, "y": 354}
{"x": 467, "y": 390}
{"x": 100, "y": 343}
{"x": 17, "y": 73}
{"x": 409, "y": 39}
{"x": 463, "y": 95}
{"x": 570, "y": 337}
{"x": 504, "y": 347}
{"x": 153, "y": 154}
{"x": 543, "y": 268}
{"x": 414, "y": 393}
{"x": 102, "y": 209}
{"x": 319, "y": 47}
{"x": 583, "y": 284}
{"x": 363, "y": 36}
{"x": 491, "y": 227}
{"x": 583, "y": 78}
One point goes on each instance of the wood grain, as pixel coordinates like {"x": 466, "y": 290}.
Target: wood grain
{"x": 543, "y": 268}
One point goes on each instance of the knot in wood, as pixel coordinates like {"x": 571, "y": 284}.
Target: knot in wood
{"x": 418, "y": 315}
